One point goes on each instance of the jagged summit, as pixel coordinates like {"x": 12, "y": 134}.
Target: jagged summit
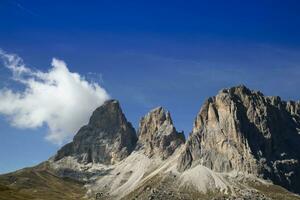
{"x": 157, "y": 134}
{"x": 239, "y": 137}
{"x": 243, "y": 130}
{"x": 110, "y": 109}
{"x": 107, "y": 138}
{"x": 237, "y": 130}
{"x": 242, "y": 88}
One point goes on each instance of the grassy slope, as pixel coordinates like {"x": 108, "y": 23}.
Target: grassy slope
{"x": 275, "y": 192}
{"x": 38, "y": 183}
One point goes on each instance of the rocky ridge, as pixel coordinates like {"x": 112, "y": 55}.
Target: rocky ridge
{"x": 240, "y": 142}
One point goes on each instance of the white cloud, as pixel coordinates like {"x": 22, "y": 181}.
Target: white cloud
{"x": 60, "y": 99}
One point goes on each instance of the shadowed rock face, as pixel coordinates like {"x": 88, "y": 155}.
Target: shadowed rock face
{"x": 246, "y": 131}
{"x": 157, "y": 134}
{"x": 108, "y": 137}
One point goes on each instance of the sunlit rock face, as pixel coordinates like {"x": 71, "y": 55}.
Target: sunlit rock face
{"x": 157, "y": 134}
{"x": 107, "y": 138}
{"x": 245, "y": 131}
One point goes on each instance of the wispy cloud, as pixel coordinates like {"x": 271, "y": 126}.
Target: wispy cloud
{"x": 21, "y": 7}
{"x": 60, "y": 99}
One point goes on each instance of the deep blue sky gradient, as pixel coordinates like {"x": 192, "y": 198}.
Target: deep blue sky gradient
{"x": 151, "y": 53}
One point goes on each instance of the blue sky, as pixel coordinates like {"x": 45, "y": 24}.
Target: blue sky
{"x": 150, "y": 53}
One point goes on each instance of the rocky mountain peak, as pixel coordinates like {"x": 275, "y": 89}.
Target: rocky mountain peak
{"x": 109, "y": 117}
{"x": 238, "y": 130}
{"x": 107, "y": 138}
{"x": 157, "y": 134}
{"x": 243, "y": 130}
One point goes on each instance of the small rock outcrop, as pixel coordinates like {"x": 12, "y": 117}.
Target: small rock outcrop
{"x": 107, "y": 138}
{"x": 157, "y": 134}
{"x": 245, "y": 131}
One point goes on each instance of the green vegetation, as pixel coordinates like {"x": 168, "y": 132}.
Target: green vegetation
{"x": 275, "y": 192}
{"x": 39, "y": 183}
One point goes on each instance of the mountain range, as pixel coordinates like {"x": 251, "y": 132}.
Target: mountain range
{"x": 243, "y": 145}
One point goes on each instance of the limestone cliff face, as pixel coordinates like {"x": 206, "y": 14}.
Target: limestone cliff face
{"x": 108, "y": 137}
{"x": 246, "y": 131}
{"x": 157, "y": 134}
